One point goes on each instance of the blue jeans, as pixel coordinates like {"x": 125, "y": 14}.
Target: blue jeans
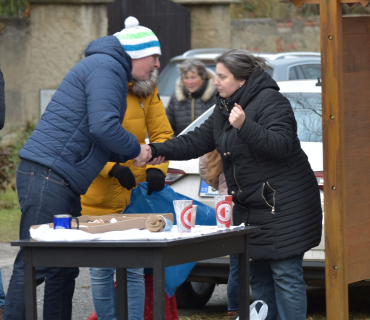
{"x": 41, "y": 195}
{"x": 233, "y": 284}
{"x": 2, "y": 293}
{"x": 281, "y": 285}
{"x": 104, "y": 294}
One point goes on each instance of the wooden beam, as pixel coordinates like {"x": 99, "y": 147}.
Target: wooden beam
{"x": 365, "y": 3}
{"x": 298, "y": 3}
{"x": 334, "y": 159}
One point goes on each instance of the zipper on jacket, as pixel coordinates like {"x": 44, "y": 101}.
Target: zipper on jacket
{"x": 237, "y": 195}
{"x": 225, "y": 105}
{"x": 192, "y": 108}
{"x": 273, "y": 197}
{"x": 142, "y": 107}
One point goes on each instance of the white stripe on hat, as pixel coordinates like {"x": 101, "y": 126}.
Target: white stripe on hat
{"x": 144, "y": 52}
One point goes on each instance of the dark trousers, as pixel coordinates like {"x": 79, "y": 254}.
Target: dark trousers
{"x": 42, "y": 194}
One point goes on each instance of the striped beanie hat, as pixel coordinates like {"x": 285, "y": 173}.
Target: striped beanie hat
{"x": 138, "y": 41}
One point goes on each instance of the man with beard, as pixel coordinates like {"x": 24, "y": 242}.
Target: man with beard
{"x": 110, "y": 191}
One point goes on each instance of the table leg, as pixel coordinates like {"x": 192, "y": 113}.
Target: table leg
{"x": 158, "y": 287}
{"x": 244, "y": 274}
{"x": 121, "y": 293}
{"x": 29, "y": 285}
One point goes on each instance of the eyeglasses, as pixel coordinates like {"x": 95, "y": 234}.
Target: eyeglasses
{"x": 156, "y": 57}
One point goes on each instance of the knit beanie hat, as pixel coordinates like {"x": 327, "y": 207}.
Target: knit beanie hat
{"x": 138, "y": 41}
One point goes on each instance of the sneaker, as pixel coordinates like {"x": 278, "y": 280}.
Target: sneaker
{"x": 232, "y": 315}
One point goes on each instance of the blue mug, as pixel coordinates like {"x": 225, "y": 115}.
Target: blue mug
{"x": 64, "y": 221}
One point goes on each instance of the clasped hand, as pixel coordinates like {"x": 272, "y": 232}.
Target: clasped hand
{"x": 237, "y": 117}
{"x": 145, "y": 155}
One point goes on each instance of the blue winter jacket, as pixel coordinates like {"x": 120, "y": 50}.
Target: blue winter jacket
{"x": 81, "y": 128}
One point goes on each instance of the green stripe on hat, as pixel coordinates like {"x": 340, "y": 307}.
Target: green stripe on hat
{"x": 135, "y": 35}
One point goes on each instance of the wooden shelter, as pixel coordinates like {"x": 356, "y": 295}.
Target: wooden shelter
{"x": 345, "y": 72}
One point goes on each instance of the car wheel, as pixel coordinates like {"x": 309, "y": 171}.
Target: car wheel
{"x": 194, "y": 294}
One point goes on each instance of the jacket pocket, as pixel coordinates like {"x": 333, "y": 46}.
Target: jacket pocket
{"x": 24, "y": 184}
{"x": 269, "y": 192}
{"x": 85, "y": 155}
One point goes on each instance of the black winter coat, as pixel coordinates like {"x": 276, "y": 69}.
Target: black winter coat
{"x": 184, "y": 107}
{"x": 266, "y": 170}
{"x": 2, "y": 100}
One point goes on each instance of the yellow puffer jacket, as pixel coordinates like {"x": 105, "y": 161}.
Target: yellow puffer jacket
{"x": 105, "y": 195}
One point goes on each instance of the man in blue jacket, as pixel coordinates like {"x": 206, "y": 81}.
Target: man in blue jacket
{"x": 78, "y": 133}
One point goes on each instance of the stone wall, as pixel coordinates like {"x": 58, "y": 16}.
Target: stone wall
{"x": 14, "y": 52}
{"x": 37, "y": 52}
{"x": 267, "y": 35}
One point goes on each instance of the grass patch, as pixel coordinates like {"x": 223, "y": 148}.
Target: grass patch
{"x": 9, "y": 224}
{"x": 10, "y": 216}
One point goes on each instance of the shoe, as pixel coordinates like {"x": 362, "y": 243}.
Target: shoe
{"x": 1, "y": 313}
{"x": 232, "y": 315}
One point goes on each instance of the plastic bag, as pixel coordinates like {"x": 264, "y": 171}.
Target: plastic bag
{"x": 162, "y": 202}
{"x": 254, "y": 315}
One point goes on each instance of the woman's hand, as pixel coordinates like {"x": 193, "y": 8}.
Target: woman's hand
{"x": 237, "y": 117}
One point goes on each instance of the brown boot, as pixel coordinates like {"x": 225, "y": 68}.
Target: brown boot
{"x": 232, "y": 315}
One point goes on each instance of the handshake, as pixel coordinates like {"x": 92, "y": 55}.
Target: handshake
{"x": 145, "y": 157}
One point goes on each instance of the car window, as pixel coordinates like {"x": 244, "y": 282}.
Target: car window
{"x": 311, "y": 71}
{"x": 167, "y": 80}
{"x": 168, "y": 77}
{"x": 307, "y": 111}
{"x": 293, "y": 74}
{"x": 305, "y": 71}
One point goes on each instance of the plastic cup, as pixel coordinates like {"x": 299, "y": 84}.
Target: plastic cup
{"x": 183, "y": 210}
{"x": 193, "y": 215}
{"x": 223, "y": 206}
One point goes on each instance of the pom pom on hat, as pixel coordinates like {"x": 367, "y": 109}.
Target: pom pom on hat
{"x": 138, "y": 41}
{"x": 131, "y": 22}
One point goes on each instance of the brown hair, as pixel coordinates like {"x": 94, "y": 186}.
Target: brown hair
{"x": 241, "y": 63}
{"x": 213, "y": 165}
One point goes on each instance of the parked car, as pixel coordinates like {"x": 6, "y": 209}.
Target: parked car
{"x": 283, "y": 66}
{"x": 183, "y": 177}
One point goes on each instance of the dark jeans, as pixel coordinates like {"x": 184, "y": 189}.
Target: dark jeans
{"x": 42, "y": 194}
{"x": 233, "y": 284}
{"x": 281, "y": 285}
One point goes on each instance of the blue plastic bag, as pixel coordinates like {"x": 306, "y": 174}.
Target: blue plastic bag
{"x": 162, "y": 202}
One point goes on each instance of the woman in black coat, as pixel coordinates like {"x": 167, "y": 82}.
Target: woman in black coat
{"x": 267, "y": 173}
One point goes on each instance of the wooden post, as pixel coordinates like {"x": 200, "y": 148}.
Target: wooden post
{"x": 334, "y": 159}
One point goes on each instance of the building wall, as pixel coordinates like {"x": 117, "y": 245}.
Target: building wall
{"x": 36, "y": 52}
{"x": 267, "y": 35}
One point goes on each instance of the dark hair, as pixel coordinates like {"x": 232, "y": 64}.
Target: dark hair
{"x": 193, "y": 65}
{"x": 241, "y": 63}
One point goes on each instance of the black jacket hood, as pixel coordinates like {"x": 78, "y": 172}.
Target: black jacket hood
{"x": 258, "y": 81}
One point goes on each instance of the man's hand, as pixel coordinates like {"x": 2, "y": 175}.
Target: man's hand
{"x": 139, "y": 162}
{"x": 124, "y": 176}
{"x": 145, "y": 153}
{"x": 155, "y": 179}
{"x": 237, "y": 117}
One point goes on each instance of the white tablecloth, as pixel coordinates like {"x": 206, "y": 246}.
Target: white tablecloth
{"x": 45, "y": 233}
